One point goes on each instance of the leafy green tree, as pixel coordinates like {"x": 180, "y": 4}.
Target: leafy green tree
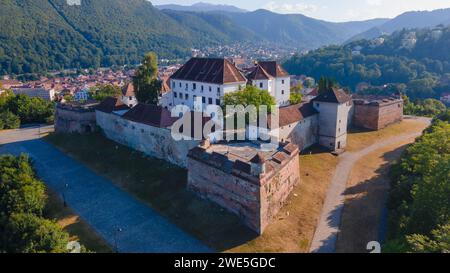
{"x": 20, "y": 191}
{"x": 297, "y": 88}
{"x": 146, "y": 84}
{"x": 295, "y": 98}
{"x": 8, "y": 120}
{"x": 31, "y": 110}
{"x": 101, "y": 92}
{"x": 326, "y": 84}
{"x": 29, "y": 233}
{"x": 438, "y": 243}
{"x": 250, "y": 95}
{"x": 418, "y": 199}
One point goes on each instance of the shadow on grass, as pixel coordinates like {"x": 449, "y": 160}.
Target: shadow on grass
{"x": 159, "y": 184}
{"x": 364, "y": 215}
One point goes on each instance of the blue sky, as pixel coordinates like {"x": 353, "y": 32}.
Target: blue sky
{"x": 330, "y": 10}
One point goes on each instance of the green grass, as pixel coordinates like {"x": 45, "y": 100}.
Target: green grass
{"x": 159, "y": 184}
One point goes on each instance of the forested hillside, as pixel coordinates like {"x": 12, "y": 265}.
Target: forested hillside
{"x": 41, "y": 35}
{"x": 419, "y": 60}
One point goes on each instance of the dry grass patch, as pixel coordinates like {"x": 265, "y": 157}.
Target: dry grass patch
{"x": 365, "y": 197}
{"x": 294, "y": 228}
{"x": 78, "y": 230}
{"x": 359, "y": 139}
{"x": 160, "y": 185}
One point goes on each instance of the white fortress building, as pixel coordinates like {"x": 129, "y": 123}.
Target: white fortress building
{"x": 272, "y": 77}
{"x": 206, "y": 78}
{"x": 212, "y": 78}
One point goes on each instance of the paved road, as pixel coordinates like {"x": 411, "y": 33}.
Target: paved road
{"x": 324, "y": 240}
{"x": 29, "y": 133}
{"x": 105, "y": 207}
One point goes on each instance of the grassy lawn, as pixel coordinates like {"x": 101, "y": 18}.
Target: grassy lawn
{"x": 358, "y": 139}
{"x": 78, "y": 230}
{"x": 159, "y": 184}
{"x": 163, "y": 187}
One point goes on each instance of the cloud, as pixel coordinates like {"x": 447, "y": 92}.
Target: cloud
{"x": 290, "y": 8}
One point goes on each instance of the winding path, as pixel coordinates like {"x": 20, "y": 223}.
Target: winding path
{"x": 325, "y": 236}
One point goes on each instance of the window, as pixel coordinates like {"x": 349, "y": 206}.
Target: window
{"x": 173, "y": 84}
{"x": 210, "y": 89}
{"x": 209, "y": 100}
{"x": 186, "y": 96}
{"x": 282, "y": 81}
{"x": 175, "y": 94}
{"x": 282, "y": 92}
{"x": 186, "y": 86}
{"x": 131, "y": 98}
{"x": 217, "y": 102}
{"x": 203, "y": 100}
{"x": 194, "y": 86}
{"x": 218, "y": 89}
{"x": 180, "y": 84}
{"x": 202, "y": 88}
{"x": 260, "y": 85}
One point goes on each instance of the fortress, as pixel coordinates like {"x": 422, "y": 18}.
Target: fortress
{"x": 251, "y": 179}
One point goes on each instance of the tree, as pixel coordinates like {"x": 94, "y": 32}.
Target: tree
{"x": 8, "y": 120}
{"x": 250, "y": 95}
{"x": 420, "y": 188}
{"x": 20, "y": 191}
{"x": 102, "y": 91}
{"x": 326, "y": 84}
{"x": 438, "y": 243}
{"x": 146, "y": 84}
{"x": 295, "y": 98}
{"x": 29, "y": 233}
{"x": 297, "y": 88}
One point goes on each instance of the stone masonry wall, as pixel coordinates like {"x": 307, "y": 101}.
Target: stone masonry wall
{"x": 235, "y": 194}
{"x": 389, "y": 114}
{"x": 153, "y": 141}
{"x": 366, "y": 116}
{"x": 275, "y": 192}
{"x": 376, "y": 116}
{"x": 74, "y": 120}
{"x": 256, "y": 201}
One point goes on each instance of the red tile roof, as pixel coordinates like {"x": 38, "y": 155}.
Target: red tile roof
{"x": 110, "y": 105}
{"x": 209, "y": 70}
{"x": 258, "y": 73}
{"x": 274, "y": 69}
{"x": 128, "y": 90}
{"x": 333, "y": 95}
{"x": 152, "y": 115}
{"x": 293, "y": 113}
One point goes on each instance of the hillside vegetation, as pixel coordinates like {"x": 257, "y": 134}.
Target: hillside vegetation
{"x": 416, "y": 61}
{"x": 419, "y": 207}
{"x": 41, "y": 35}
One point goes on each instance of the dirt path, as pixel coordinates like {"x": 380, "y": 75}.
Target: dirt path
{"x": 324, "y": 240}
